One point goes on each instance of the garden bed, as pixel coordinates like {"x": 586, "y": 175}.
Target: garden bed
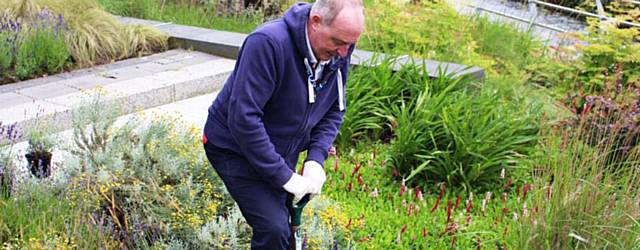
{"x": 39, "y": 38}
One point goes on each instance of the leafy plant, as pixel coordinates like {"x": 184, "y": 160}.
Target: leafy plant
{"x": 9, "y": 136}
{"x": 95, "y": 37}
{"x": 40, "y": 217}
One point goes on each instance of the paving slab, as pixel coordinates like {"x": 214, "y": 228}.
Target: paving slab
{"x": 47, "y": 90}
{"x": 136, "y": 84}
{"x": 10, "y": 99}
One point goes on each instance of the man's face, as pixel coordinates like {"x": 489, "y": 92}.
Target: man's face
{"x": 333, "y": 39}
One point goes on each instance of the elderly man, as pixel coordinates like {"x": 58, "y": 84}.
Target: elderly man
{"x": 285, "y": 95}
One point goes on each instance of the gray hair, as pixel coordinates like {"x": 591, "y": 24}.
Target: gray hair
{"x": 329, "y": 9}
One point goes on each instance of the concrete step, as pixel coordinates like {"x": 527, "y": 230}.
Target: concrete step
{"x": 139, "y": 83}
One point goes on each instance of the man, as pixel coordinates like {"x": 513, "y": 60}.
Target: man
{"x": 285, "y": 95}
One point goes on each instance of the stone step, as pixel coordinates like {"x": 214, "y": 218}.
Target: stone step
{"x": 139, "y": 83}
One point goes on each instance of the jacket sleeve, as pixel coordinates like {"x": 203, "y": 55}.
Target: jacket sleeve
{"x": 325, "y": 132}
{"x": 255, "y": 82}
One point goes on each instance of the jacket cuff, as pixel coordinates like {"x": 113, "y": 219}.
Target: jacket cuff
{"x": 281, "y": 178}
{"x": 318, "y": 155}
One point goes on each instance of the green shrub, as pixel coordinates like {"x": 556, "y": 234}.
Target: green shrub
{"x": 149, "y": 177}
{"x": 40, "y": 217}
{"x": 440, "y": 129}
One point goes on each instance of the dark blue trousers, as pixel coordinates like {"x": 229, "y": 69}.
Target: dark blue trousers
{"x": 263, "y": 206}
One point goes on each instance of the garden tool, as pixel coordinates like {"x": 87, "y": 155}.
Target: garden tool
{"x": 296, "y": 218}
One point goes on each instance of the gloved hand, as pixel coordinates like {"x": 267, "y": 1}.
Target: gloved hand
{"x": 299, "y": 186}
{"x": 313, "y": 170}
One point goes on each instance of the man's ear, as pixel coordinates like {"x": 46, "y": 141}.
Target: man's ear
{"x": 315, "y": 21}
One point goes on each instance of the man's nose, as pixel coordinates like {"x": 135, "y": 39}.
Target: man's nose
{"x": 342, "y": 50}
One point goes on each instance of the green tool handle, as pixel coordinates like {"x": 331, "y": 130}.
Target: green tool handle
{"x": 296, "y": 215}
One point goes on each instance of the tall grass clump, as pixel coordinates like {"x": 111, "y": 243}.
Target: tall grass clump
{"x": 95, "y": 37}
{"x": 213, "y": 14}
{"x": 584, "y": 201}
{"x": 509, "y": 49}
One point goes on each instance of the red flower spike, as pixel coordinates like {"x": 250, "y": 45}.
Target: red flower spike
{"x": 360, "y": 180}
{"x": 478, "y": 243}
{"x": 356, "y": 169}
{"x": 342, "y": 176}
{"x": 435, "y": 206}
{"x": 348, "y": 224}
{"x": 404, "y": 229}
{"x": 424, "y": 232}
{"x": 518, "y": 191}
{"x": 457, "y": 202}
{"x": 349, "y": 187}
{"x": 506, "y": 187}
{"x": 395, "y": 172}
{"x": 335, "y": 165}
{"x": 469, "y": 206}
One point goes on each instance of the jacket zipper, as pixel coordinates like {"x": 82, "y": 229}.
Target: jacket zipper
{"x": 307, "y": 114}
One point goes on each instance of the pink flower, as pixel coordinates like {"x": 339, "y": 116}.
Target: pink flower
{"x": 419, "y": 195}
{"x": 332, "y": 151}
{"x": 410, "y": 211}
{"x": 374, "y": 194}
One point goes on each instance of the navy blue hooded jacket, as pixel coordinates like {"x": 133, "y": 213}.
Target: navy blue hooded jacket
{"x": 263, "y": 111}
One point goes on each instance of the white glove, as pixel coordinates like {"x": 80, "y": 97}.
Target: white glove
{"x": 313, "y": 170}
{"x": 299, "y": 186}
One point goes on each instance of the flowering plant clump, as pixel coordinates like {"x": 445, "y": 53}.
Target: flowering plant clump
{"x": 32, "y": 45}
{"x": 146, "y": 181}
{"x": 9, "y": 135}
